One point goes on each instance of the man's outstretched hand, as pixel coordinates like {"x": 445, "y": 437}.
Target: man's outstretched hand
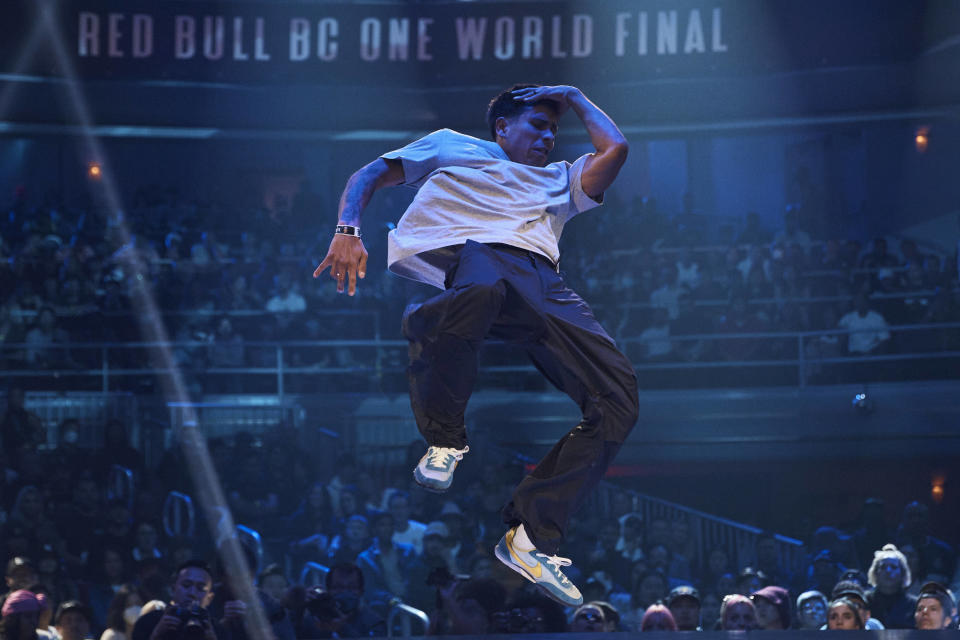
{"x": 347, "y": 260}
{"x": 559, "y": 95}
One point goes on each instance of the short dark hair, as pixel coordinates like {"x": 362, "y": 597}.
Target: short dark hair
{"x": 345, "y": 568}
{"x": 504, "y": 105}
{"x": 194, "y": 563}
{"x": 72, "y": 605}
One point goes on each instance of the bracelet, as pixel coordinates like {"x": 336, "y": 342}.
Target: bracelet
{"x": 348, "y": 230}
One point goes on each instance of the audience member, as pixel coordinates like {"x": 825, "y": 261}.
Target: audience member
{"x": 867, "y": 328}
{"x": 21, "y": 615}
{"x": 191, "y": 593}
{"x": 72, "y": 621}
{"x": 657, "y": 618}
{"x": 890, "y": 576}
{"x": 737, "y": 613}
{"x": 123, "y": 613}
{"x": 772, "y": 608}
{"x": 843, "y": 614}
{"x": 936, "y": 607}
{"x": 684, "y": 605}
{"x": 811, "y": 610}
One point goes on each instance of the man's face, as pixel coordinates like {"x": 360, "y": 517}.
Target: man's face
{"x": 588, "y": 618}
{"x": 686, "y": 611}
{"x": 383, "y": 528}
{"x": 930, "y": 614}
{"x": 529, "y": 136}
{"x": 345, "y": 582}
{"x": 400, "y": 510}
{"x": 739, "y": 617}
{"x": 812, "y": 614}
{"x": 73, "y": 625}
{"x": 193, "y": 586}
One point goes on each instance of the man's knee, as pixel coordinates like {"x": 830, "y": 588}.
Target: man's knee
{"x": 481, "y": 294}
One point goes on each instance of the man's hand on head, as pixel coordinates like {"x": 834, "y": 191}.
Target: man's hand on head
{"x": 558, "y": 94}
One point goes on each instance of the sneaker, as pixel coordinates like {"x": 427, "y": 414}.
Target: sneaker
{"x": 436, "y": 467}
{"x": 540, "y": 569}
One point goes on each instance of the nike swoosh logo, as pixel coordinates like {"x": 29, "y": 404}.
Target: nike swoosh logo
{"x": 536, "y": 570}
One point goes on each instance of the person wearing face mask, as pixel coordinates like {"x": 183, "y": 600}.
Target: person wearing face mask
{"x": 123, "y": 613}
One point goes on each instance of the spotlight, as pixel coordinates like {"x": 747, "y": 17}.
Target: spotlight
{"x": 94, "y": 170}
{"x": 921, "y": 139}
{"x": 862, "y": 404}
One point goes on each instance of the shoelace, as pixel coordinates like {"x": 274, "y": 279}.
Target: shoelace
{"x": 438, "y": 455}
{"x": 557, "y": 562}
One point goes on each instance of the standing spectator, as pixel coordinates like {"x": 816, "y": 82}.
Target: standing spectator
{"x": 868, "y": 328}
{"x": 890, "y": 576}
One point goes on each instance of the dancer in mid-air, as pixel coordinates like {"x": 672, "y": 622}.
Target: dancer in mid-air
{"x": 484, "y": 227}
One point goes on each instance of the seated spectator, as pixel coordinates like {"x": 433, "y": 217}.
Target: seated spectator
{"x": 753, "y": 232}
{"x": 272, "y": 582}
{"x": 386, "y": 565}
{"x": 890, "y": 576}
{"x": 341, "y": 610}
{"x": 882, "y": 265}
{"x": 772, "y": 606}
{"x": 650, "y": 588}
{"x": 227, "y": 349}
{"x": 630, "y": 543}
{"x": 469, "y": 607}
{"x": 72, "y": 620}
{"x": 20, "y": 428}
{"x": 737, "y": 613}
{"x": 655, "y": 339}
{"x": 739, "y": 318}
{"x": 684, "y": 604}
{"x": 750, "y": 580}
{"x": 854, "y": 592}
{"x": 123, "y": 613}
{"x": 657, "y": 618}
{"x": 935, "y": 556}
{"x": 530, "y": 613}
{"x": 21, "y": 615}
{"x": 286, "y": 297}
{"x": 406, "y": 530}
{"x": 589, "y": 617}
{"x": 40, "y": 340}
{"x": 191, "y": 593}
{"x": 844, "y": 615}
{"x": 868, "y": 328}
{"x": 811, "y": 610}
{"x": 355, "y": 538}
{"x": 936, "y": 607}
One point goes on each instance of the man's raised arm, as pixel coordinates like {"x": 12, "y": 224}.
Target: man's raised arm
{"x": 347, "y": 257}
{"x": 611, "y": 145}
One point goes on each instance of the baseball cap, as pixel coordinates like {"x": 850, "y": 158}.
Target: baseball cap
{"x": 941, "y": 593}
{"x": 19, "y": 562}
{"x": 683, "y": 591}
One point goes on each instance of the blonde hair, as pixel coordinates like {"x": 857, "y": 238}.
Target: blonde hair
{"x": 887, "y": 552}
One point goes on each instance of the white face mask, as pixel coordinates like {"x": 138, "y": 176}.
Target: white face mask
{"x": 130, "y": 614}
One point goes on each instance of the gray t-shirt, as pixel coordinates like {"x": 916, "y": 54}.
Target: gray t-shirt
{"x": 469, "y": 190}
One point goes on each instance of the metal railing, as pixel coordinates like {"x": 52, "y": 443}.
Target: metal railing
{"x": 110, "y": 362}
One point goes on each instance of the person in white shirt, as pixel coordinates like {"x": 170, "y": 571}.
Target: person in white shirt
{"x": 484, "y": 226}
{"x": 868, "y": 329}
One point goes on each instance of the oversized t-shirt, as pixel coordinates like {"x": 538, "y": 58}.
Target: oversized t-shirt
{"x": 468, "y": 189}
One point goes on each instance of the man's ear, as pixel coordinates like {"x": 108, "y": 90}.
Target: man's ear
{"x": 501, "y": 126}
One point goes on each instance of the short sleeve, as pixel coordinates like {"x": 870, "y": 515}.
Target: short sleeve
{"x": 579, "y": 200}
{"x": 421, "y": 157}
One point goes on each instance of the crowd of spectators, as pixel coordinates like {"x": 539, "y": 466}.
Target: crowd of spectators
{"x": 657, "y": 283}
{"x": 75, "y": 544}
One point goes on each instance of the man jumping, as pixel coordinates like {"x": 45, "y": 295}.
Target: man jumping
{"x": 484, "y": 226}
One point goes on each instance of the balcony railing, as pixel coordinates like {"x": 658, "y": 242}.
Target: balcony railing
{"x": 782, "y": 358}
